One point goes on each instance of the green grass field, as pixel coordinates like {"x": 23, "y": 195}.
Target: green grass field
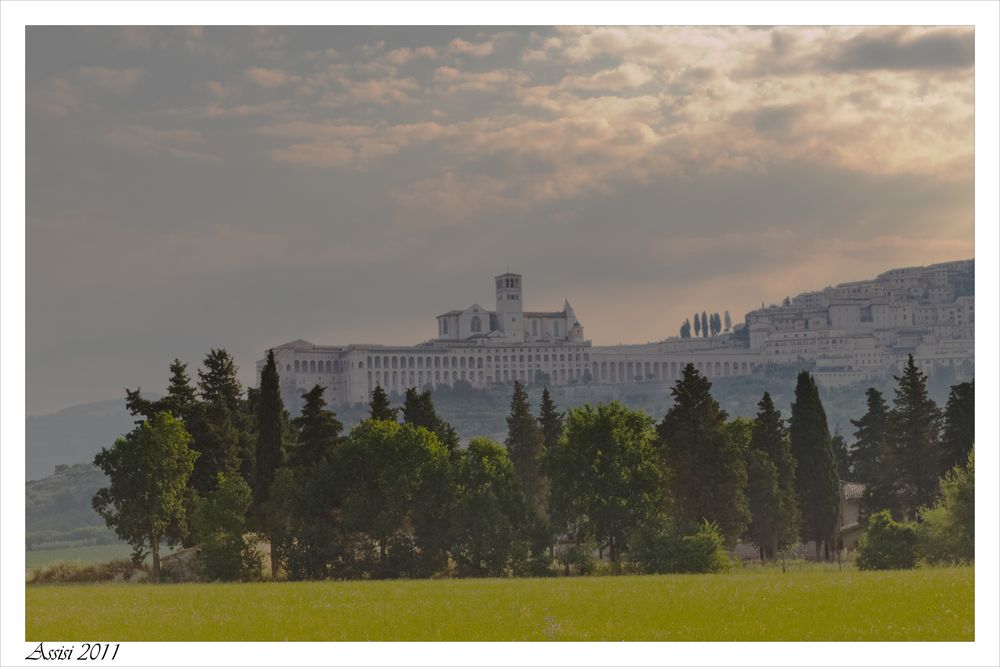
{"x": 747, "y": 605}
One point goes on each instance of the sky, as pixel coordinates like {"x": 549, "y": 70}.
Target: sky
{"x": 191, "y": 188}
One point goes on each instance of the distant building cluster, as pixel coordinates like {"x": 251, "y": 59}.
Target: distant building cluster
{"x": 859, "y": 329}
{"x": 851, "y": 331}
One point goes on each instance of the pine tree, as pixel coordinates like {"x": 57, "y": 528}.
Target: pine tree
{"x": 181, "y": 396}
{"x": 769, "y": 438}
{"x": 221, "y": 424}
{"x": 525, "y": 443}
{"x": 913, "y": 442}
{"x": 378, "y": 407}
{"x": 218, "y": 382}
{"x": 869, "y": 438}
{"x": 418, "y": 410}
{"x": 706, "y": 470}
{"x": 816, "y": 466}
{"x": 272, "y": 427}
{"x": 551, "y": 420}
{"x": 319, "y": 430}
{"x": 841, "y": 454}
{"x": 959, "y": 433}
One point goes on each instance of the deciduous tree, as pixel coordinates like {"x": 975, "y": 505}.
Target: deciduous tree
{"x": 148, "y": 470}
{"x": 605, "y": 476}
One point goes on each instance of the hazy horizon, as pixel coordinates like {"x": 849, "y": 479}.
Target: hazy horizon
{"x": 191, "y": 188}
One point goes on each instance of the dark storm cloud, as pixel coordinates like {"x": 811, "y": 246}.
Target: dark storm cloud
{"x": 899, "y": 50}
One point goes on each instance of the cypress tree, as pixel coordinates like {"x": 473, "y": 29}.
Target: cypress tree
{"x": 697, "y": 325}
{"x": 780, "y": 527}
{"x": 959, "y": 433}
{"x": 704, "y": 324}
{"x": 706, "y": 470}
{"x": 272, "y": 425}
{"x": 815, "y": 465}
{"x": 525, "y": 442}
{"x": 550, "y": 419}
{"x": 378, "y": 407}
{"x": 319, "y": 430}
{"x": 913, "y": 442}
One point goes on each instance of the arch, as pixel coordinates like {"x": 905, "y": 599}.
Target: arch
{"x": 454, "y": 362}
{"x": 462, "y": 363}
{"x": 718, "y": 369}
{"x": 477, "y": 324}
{"x": 395, "y": 362}
{"x": 412, "y": 379}
{"x": 480, "y": 377}
{"x": 385, "y": 362}
{"x": 411, "y": 363}
{"x": 420, "y": 378}
{"x": 437, "y": 376}
{"x": 395, "y": 378}
{"x": 312, "y": 365}
{"x": 725, "y": 369}
{"x": 296, "y": 365}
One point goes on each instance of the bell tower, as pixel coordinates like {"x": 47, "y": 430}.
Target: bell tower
{"x": 509, "y": 308}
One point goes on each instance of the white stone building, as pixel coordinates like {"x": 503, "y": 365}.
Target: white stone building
{"x": 852, "y": 332}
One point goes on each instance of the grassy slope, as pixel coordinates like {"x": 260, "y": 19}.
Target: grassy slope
{"x": 818, "y": 605}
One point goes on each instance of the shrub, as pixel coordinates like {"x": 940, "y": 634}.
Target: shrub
{"x": 663, "y": 548}
{"x": 77, "y": 573}
{"x": 948, "y": 530}
{"x": 577, "y": 558}
{"x": 218, "y": 524}
{"x": 887, "y": 545}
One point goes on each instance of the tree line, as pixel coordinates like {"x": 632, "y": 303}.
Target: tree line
{"x": 706, "y": 325}
{"x": 397, "y": 496}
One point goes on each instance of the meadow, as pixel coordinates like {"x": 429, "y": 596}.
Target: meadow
{"x": 750, "y": 604}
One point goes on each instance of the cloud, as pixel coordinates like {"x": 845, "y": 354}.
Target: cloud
{"x": 402, "y": 56}
{"x": 56, "y": 97}
{"x": 116, "y": 81}
{"x": 464, "y": 48}
{"x": 146, "y": 141}
{"x": 623, "y": 77}
{"x": 135, "y": 37}
{"x": 66, "y": 93}
{"x": 268, "y": 77}
{"x": 334, "y": 145}
{"x": 905, "y": 49}
{"x": 450, "y": 80}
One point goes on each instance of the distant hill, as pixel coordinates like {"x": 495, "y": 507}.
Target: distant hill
{"x": 73, "y": 435}
{"x": 58, "y": 510}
